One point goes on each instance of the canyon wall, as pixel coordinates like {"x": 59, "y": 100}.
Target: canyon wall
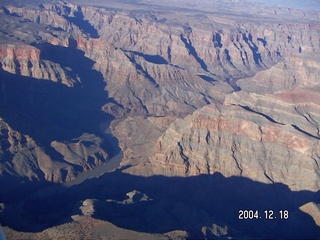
{"x": 23, "y": 157}
{"x": 267, "y": 138}
{"x": 179, "y": 72}
{"x": 208, "y": 106}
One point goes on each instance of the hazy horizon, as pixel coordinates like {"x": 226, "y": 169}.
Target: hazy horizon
{"x": 292, "y": 3}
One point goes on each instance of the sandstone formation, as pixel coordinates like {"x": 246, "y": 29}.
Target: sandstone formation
{"x": 267, "y": 138}
{"x": 189, "y": 91}
{"x": 18, "y": 56}
{"x": 25, "y": 60}
{"x": 156, "y": 53}
{"x": 89, "y": 228}
{"x": 22, "y": 156}
{"x": 296, "y": 71}
{"x": 84, "y": 151}
{"x": 313, "y": 210}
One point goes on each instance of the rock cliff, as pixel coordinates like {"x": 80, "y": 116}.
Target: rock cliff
{"x": 21, "y": 156}
{"x": 25, "y": 60}
{"x": 266, "y": 138}
{"x": 211, "y": 90}
{"x": 155, "y": 64}
{"x": 152, "y": 52}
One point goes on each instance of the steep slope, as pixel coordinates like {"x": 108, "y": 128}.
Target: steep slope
{"x": 18, "y": 56}
{"x": 45, "y": 147}
{"x": 266, "y": 138}
{"x": 22, "y": 157}
{"x": 295, "y": 71}
{"x": 159, "y": 66}
{"x": 153, "y": 51}
{"x": 201, "y": 96}
{"x": 37, "y": 145}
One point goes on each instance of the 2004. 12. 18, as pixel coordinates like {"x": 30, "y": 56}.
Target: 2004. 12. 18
{"x": 266, "y": 214}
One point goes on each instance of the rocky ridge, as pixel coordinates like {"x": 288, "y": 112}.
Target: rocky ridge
{"x": 194, "y": 93}
{"x": 161, "y": 69}
{"x": 270, "y": 141}
{"x": 155, "y": 53}
{"x": 30, "y": 160}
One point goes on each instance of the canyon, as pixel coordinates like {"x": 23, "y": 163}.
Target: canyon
{"x": 159, "y": 120}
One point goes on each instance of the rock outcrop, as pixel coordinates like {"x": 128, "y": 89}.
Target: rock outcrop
{"x": 294, "y": 71}
{"x": 273, "y": 138}
{"x": 84, "y": 151}
{"x": 153, "y": 67}
{"x": 18, "y": 54}
{"x": 313, "y": 210}
{"x": 23, "y": 157}
{"x": 88, "y": 227}
{"x": 199, "y": 89}
{"x": 25, "y": 60}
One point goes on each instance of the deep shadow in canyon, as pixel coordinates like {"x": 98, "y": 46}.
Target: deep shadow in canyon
{"x": 49, "y": 111}
{"x": 177, "y": 203}
{"x": 83, "y": 24}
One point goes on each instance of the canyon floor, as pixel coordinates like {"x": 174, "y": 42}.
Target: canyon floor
{"x": 160, "y": 120}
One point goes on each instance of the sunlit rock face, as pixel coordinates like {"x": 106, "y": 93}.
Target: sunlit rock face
{"x": 267, "y": 138}
{"x": 24, "y": 157}
{"x": 185, "y": 91}
{"x": 156, "y": 65}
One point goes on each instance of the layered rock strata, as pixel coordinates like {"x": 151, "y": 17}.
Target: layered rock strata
{"x": 273, "y": 138}
{"x": 21, "y": 156}
{"x": 162, "y": 70}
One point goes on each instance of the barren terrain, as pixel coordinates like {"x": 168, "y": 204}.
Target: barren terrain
{"x": 159, "y": 120}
